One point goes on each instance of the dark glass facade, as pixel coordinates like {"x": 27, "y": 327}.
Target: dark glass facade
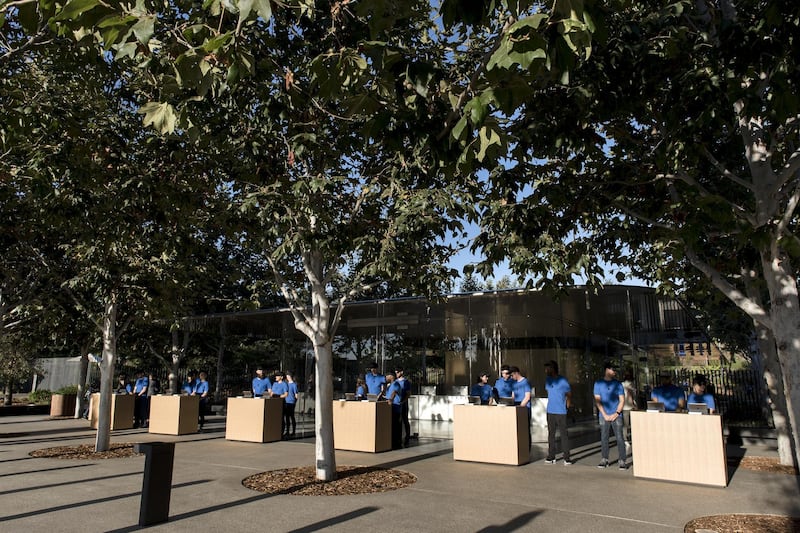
{"x": 445, "y": 345}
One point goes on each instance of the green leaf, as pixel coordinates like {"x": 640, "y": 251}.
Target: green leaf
{"x": 161, "y": 115}
{"x": 488, "y": 137}
{"x": 262, "y": 8}
{"x": 144, "y": 28}
{"x": 75, "y": 8}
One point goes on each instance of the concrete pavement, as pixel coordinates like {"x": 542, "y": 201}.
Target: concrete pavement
{"x": 52, "y": 495}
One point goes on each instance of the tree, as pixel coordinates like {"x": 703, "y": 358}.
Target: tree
{"x": 358, "y": 132}
{"x": 672, "y": 149}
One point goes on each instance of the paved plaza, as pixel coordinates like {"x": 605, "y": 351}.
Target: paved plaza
{"x": 53, "y": 495}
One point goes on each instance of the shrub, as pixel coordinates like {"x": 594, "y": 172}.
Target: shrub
{"x": 67, "y": 389}
{"x": 40, "y": 396}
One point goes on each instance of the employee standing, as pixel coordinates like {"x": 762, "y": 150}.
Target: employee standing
{"x": 503, "y": 383}
{"x": 261, "y": 385}
{"x": 482, "y": 389}
{"x": 521, "y": 393}
{"x": 201, "y": 390}
{"x": 375, "y": 382}
{"x": 559, "y": 398}
{"x": 699, "y": 394}
{"x": 670, "y": 395}
{"x": 281, "y": 390}
{"x": 609, "y": 396}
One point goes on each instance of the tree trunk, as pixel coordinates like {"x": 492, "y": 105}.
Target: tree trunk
{"x": 9, "y": 392}
{"x": 772, "y": 384}
{"x": 103, "y": 441}
{"x": 785, "y": 318}
{"x": 176, "y": 362}
{"x": 323, "y": 412}
{"x": 80, "y": 404}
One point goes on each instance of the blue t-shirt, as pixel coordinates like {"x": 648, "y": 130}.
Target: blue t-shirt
{"x": 557, "y": 389}
{"x": 374, "y": 383}
{"x": 397, "y": 401}
{"x": 188, "y": 386}
{"x": 609, "y": 392}
{"x": 279, "y": 388}
{"x": 292, "y": 397}
{"x": 519, "y": 389}
{"x": 484, "y": 390}
{"x": 260, "y": 386}
{"x": 706, "y": 398}
{"x": 669, "y": 395}
{"x": 361, "y": 392}
{"x": 201, "y": 387}
{"x": 503, "y": 387}
{"x": 141, "y": 385}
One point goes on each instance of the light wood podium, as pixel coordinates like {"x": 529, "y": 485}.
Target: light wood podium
{"x": 174, "y": 414}
{"x": 679, "y": 447}
{"x": 121, "y": 410}
{"x": 362, "y": 426}
{"x": 254, "y": 419}
{"x": 491, "y": 434}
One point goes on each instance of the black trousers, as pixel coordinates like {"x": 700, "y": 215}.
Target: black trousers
{"x": 397, "y": 429}
{"x": 288, "y": 419}
{"x": 557, "y": 422}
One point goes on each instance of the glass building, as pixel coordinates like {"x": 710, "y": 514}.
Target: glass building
{"x": 445, "y": 345}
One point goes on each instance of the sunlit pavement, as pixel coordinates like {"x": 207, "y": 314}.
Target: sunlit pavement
{"x": 104, "y": 495}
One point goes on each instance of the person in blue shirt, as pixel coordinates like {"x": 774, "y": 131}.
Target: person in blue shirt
{"x": 289, "y": 404}
{"x": 670, "y": 395}
{"x": 140, "y": 402}
{"x": 394, "y": 395}
{"x": 123, "y": 387}
{"x": 609, "y": 396}
{"x": 201, "y": 390}
{"x": 281, "y": 390}
{"x": 361, "y": 389}
{"x": 503, "y": 383}
{"x": 559, "y": 398}
{"x": 405, "y": 387}
{"x": 261, "y": 385}
{"x": 699, "y": 394}
{"x": 375, "y": 382}
{"x": 188, "y": 385}
{"x": 522, "y": 394}
{"x": 482, "y": 389}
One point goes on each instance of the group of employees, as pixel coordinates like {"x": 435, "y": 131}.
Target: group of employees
{"x": 614, "y": 400}
{"x": 392, "y": 387}
{"x": 146, "y": 386}
{"x": 283, "y": 386}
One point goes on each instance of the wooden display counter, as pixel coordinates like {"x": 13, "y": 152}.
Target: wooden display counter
{"x": 679, "y": 447}
{"x": 362, "y": 426}
{"x": 121, "y": 410}
{"x": 254, "y": 419}
{"x": 491, "y": 434}
{"x": 174, "y": 414}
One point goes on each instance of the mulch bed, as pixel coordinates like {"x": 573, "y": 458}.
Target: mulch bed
{"x": 740, "y": 523}
{"x": 86, "y": 451}
{"x": 301, "y": 481}
{"x": 750, "y": 523}
{"x": 762, "y": 464}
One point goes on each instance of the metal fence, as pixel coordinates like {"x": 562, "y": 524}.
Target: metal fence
{"x": 738, "y": 393}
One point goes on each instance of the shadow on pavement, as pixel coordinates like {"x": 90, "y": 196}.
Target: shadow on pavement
{"x": 91, "y": 502}
{"x": 330, "y": 522}
{"x": 62, "y": 484}
{"x": 519, "y": 522}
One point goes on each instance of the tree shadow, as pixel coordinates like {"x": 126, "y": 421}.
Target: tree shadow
{"x": 514, "y": 524}
{"x": 62, "y": 484}
{"x": 91, "y": 502}
{"x": 330, "y": 522}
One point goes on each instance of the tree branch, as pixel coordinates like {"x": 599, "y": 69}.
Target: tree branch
{"x": 746, "y": 304}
